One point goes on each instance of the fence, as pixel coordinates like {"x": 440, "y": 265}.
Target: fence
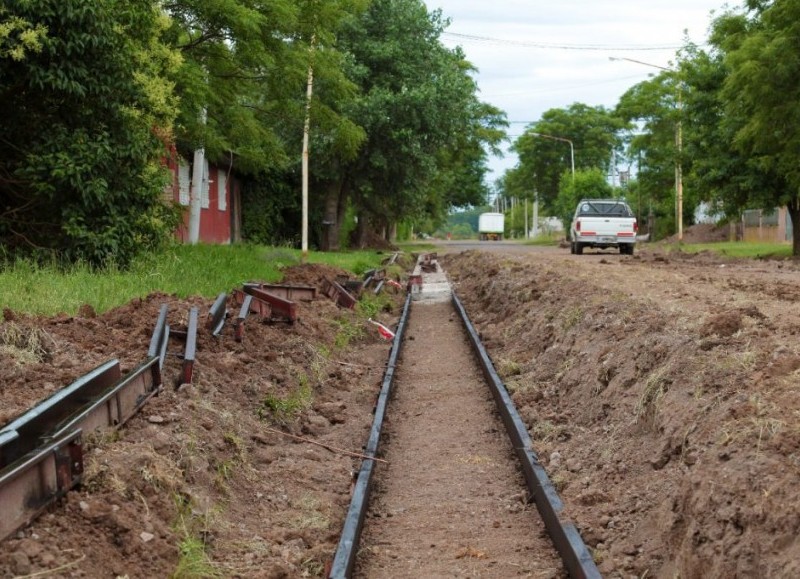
{"x": 767, "y": 225}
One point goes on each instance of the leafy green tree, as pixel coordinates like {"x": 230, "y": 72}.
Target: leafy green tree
{"x": 418, "y": 108}
{"x": 588, "y": 184}
{"x": 762, "y": 100}
{"x": 656, "y": 107}
{"x": 85, "y": 111}
{"x": 594, "y": 133}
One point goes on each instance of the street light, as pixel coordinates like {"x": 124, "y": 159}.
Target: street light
{"x": 571, "y": 149}
{"x": 536, "y": 198}
{"x": 678, "y": 145}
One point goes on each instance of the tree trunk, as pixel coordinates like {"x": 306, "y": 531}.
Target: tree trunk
{"x": 361, "y": 232}
{"x": 392, "y": 232}
{"x": 794, "y": 213}
{"x": 331, "y": 222}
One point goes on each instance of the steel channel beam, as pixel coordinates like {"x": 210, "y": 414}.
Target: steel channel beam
{"x": 345, "y": 557}
{"x": 113, "y": 408}
{"x": 217, "y": 314}
{"x": 238, "y": 329}
{"x": 187, "y": 370}
{"x": 286, "y": 308}
{"x": 37, "y": 479}
{"x": 566, "y": 538}
{"x": 303, "y": 293}
{"x": 158, "y": 343}
{"x": 338, "y": 294}
{"x": 40, "y": 420}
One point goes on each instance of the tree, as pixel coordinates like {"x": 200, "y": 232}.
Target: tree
{"x": 762, "y": 100}
{"x": 656, "y": 108}
{"x": 593, "y": 132}
{"x": 418, "y": 108}
{"x": 587, "y": 184}
{"x": 84, "y": 123}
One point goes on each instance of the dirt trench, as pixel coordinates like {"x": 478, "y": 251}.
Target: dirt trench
{"x": 452, "y": 501}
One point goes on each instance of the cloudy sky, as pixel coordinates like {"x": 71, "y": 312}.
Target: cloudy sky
{"x": 534, "y": 55}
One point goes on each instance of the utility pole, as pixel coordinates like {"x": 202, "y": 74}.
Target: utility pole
{"x": 198, "y": 182}
{"x": 306, "y": 131}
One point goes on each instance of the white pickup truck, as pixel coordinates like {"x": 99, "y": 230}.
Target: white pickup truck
{"x": 603, "y": 223}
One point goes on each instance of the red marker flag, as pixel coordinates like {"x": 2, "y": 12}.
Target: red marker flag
{"x": 385, "y": 332}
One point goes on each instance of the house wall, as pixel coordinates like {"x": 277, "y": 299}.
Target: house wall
{"x": 219, "y": 217}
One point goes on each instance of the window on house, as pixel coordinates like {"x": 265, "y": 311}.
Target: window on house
{"x": 222, "y": 200}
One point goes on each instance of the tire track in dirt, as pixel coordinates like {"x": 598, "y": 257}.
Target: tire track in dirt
{"x": 452, "y": 501}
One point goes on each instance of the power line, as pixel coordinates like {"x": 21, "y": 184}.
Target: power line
{"x": 549, "y": 46}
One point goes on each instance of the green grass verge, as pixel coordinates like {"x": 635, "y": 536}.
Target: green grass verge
{"x": 183, "y": 270}
{"x": 739, "y": 249}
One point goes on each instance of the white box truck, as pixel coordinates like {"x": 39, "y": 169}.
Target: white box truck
{"x": 490, "y": 226}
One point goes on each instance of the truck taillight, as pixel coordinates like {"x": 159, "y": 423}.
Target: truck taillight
{"x": 578, "y": 225}
{"x": 635, "y": 226}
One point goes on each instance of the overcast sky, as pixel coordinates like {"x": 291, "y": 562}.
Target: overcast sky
{"x": 534, "y": 55}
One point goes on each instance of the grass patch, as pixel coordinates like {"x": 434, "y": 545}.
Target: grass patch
{"x": 183, "y": 270}
{"x": 743, "y": 249}
{"x": 193, "y": 561}
{"x": 283, "y": 409}
{"x": 654, "y": 391}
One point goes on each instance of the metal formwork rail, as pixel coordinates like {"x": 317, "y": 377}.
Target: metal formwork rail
{"x": 303, "y": 293}
{"x": 568, "y": 542}
{"x": 345, "y": 557}
{"x": 43, "y": 459}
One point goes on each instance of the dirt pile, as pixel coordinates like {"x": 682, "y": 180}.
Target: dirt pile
{"x": 661, "y": 396}
{"x": 207, "y": 480}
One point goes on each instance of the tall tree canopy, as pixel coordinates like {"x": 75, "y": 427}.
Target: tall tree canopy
{"x": 762, "y": 98}
{"x": 593, "y": 133}
{"x": 416, "y": 101}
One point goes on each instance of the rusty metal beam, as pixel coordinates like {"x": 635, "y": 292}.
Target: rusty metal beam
{"x": 257, "y": 306}
{"x": 303, "y": 293}
{"x": 158, "y": 342}
{"x": 187, "y": 368}
{"x": 37, "y": 479}
{"x": 217, "y": 314}
{"x": 117, "y": 405}
{"x": 238, "y": 328}
{"x": 286, "y": 308}
{"x": 36, "y": 423}
{"x": 338, "y": 294}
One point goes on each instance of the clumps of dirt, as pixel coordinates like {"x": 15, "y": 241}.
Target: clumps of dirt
{"x": 723, "y": 324}
{"x": 205, "y": 480}
{"x": 668, "y": 434}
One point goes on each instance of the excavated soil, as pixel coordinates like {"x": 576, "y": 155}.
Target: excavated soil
{"x": 208, "y": 466}
{"x": 661, "y": 391}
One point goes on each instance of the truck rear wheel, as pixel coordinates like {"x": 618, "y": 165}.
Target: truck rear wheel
{"x": 578, "y": 248}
